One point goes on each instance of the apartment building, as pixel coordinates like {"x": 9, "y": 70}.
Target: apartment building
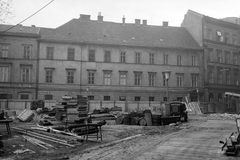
{"x": 118, "y": 61}
{"x": 18, "y": 61}
{"x": 221, "y": 41}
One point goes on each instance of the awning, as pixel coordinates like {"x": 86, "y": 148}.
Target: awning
{"x": 232, "y": 94}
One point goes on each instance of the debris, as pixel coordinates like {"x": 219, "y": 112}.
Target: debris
{"x": 19, "y": 151}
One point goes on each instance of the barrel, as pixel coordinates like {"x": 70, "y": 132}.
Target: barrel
{"x": 148, "y": 117}
{"x": 156, "y": 120}
{"x": 142, "y": 121}
{"x": 134, "y": 121}
{"x": 127, "y": 119}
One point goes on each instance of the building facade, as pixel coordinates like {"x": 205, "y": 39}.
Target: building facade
{"x": 221, "y": 42}
{"x": 18, "y": 61}
{"x": 118, "y": 61}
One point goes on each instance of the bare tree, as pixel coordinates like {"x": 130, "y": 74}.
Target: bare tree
{"x": 5, "y": 10}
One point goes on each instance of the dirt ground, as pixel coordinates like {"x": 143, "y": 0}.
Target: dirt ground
{"x": 15, "y": 145}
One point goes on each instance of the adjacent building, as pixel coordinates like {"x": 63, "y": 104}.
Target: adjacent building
{"x": 118, "y": 61}
{"x": 221, "y": 41}
{"x": 18, "y": 61}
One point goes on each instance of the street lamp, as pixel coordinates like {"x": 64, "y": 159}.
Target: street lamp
{"x": 167, "y": 76}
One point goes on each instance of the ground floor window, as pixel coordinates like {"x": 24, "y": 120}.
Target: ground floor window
{"x": 48, "y": 97}
{"x": 106, "y": 98}
{"x": 90, "y": 97}
{"x": 137, "y": 98}
{"x": 122, "y": 98}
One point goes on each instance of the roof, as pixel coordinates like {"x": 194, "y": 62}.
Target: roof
{"x": 77, "y": 30}
{"x": 19, "y": 30}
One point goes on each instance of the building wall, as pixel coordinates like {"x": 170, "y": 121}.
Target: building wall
{"x": 59, "y": 87}
{"x": 209, "y": 39}
{"x": 15, "y": 61}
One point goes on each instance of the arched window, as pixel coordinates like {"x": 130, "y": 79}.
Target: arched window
{"x": 211, "y": 97}
{"x": 220, "y": 97}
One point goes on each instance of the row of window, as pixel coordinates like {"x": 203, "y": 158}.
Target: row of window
{"x": 121, "y": 98}
{"x": 5, "y": 51}
{"x": 221, "y": 36}
{"x": 25, "y": 73}
{"x": 123, "y": 58}
{"x": 220, "y": 76}
{"x": 107, "y": 77}
{"x": 223, "y": 56}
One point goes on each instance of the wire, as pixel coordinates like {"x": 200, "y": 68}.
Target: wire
{"x": 28, "y": 17}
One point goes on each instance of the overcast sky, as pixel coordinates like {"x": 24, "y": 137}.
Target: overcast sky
{"x": 154, "y": 11}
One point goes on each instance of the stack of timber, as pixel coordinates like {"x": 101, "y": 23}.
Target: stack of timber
{"x": 69, "y": 110}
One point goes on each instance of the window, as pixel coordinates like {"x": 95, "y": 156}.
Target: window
{"x": 48, "y": 97}
{"x": 236, "y": 77}
{"x": 179, "y": 60}
{"x": 70, "y": 75}
{"x": 209, "y": 34}
{"x": 4, "y": 52}
{"x": 179, "y": 80}
{"x": 49, "y": 75}
{"x": 137, "y": 98}
{"x": 24, "y": 96}
{"x": 91, "y": 77}
{"x": 227, "y": 57}
{"x": 235, "y": 58}
{"x": 211, "y": 97}
{"x": 27, "y": 51}
{"x": 49, "y": 52}
{"x": 137, "y": 58}
{"x": 106, "y": 98}
{"x": 219, "y": 36}
{"x": 151, "y": 58}
{"x": 165, "y": 99}
{"x": 234, "y": 39}
{"x": 25, "y": 74}
{"x": 71, "y": 52}
{"x": 137, "y": 78}
{"x": 165, "y": 59}
{"x": 107, "y": 77}
{"x": 122, "y": 98}
{"x": 4, "y": 74}
{"x": 91, "y": 55}
{"x": 219, "y": 77}
{"x": 210, "y": 76}
{"x": 107, "y": 56}
{"x": 210, "y": 54}
{"x": 123, "y": 57}
{"x": 219, "y": 56}
{"x": 123, "y": 78}
{"x": 151, "y": 98}
{"x": 226, "y": 38}
{"x": 194, "y": 80}
{"x": 91, "y": 98}
{"x": 194, "y": 60}
{"x": 151, "y": 79}
{"x": 164, "y": 80}
{"x": 228, "y": 77}
{"x": 5, "y": 96}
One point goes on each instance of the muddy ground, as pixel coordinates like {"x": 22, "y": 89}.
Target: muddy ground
{"x": 15, "y": 145}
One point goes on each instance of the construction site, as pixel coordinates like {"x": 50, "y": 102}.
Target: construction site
{"x": 72, "y": 127}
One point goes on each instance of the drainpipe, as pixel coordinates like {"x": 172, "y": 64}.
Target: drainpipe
{"x": 37, "y": 69}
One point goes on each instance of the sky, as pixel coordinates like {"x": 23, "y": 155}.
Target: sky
{"x": 154, "y": 11}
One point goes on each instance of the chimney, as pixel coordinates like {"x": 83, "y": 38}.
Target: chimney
{"x": 100, "y": 18}
{"x": 84, "y": 17}
{"x": 123, "y": 20}
{"x": 144, "y": 22}
{"x": 165, "y": 24}
{"x": 138, "y": 21}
